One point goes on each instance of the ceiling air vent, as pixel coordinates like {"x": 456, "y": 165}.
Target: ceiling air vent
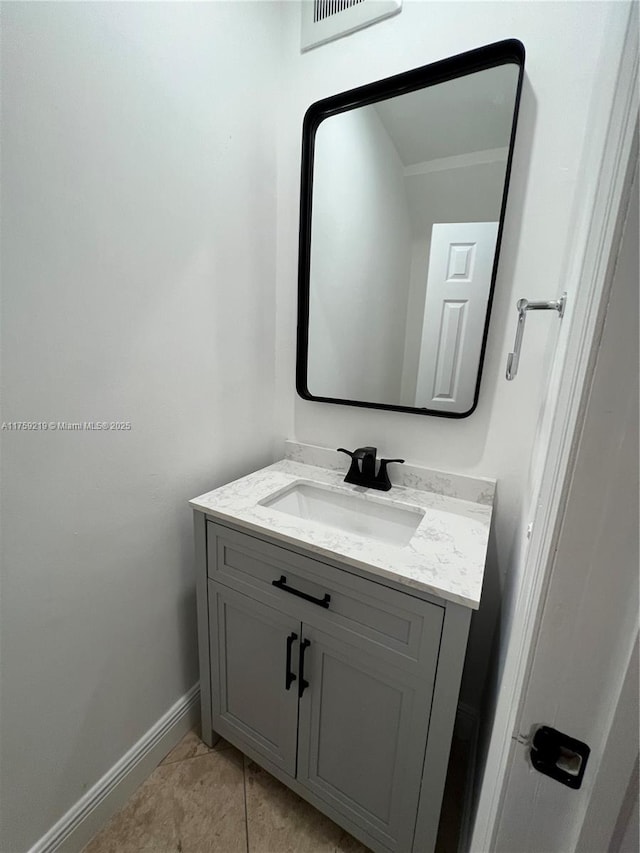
{"x": 325, "y": 20}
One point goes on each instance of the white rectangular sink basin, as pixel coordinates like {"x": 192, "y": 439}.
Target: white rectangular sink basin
{"x": 372, "y": 517}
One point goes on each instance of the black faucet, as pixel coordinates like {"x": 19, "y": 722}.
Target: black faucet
{"x": 362, "y": 471}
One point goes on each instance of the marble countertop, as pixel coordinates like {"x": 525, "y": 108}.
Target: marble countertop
{"x": 445, "y": 556}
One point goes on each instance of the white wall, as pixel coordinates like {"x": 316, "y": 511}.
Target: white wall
{"x": 360, "y": 255}
{"x": 563, "y": 67}
{"x": 138, "y": 263}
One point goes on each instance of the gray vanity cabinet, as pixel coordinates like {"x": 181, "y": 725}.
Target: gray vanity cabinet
{"x": 361, "y": 726}
{"x": 342, "y": 687}
{"x": 251, "y": 704}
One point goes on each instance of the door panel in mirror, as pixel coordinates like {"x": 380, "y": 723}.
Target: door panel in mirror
{"x": 451, "y": 324}
{"x": 404, "y": 188}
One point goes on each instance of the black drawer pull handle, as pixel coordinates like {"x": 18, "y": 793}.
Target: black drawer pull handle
{"x": 290, "y": 677}
{"x": 304, "y": 645}
{"x": 282, "y": 584}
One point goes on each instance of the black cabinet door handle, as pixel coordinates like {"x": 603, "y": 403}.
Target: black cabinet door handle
{"x": 290, "y": 677}
{"x": 304, "y": 645}
{"x": 282, "y": 584}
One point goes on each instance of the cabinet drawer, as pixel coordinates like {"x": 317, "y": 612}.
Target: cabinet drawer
{"x": 400, "y": 623}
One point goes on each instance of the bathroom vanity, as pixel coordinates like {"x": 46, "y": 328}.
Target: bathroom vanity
{"x": 333, "y": 619}
{"x": 332, "y": 627}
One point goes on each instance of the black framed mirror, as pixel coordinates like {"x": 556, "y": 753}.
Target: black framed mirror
{"x": 403, "y": 194}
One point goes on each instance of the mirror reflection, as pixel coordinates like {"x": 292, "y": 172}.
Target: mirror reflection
{"x": 407, "y": 196}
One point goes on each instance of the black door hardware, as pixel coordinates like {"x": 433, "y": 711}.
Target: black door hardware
{"x": 557, "y": 755}
{"x": 304, "y": 645}
{"x": 282, "y": 584}
{"x": 290, "y": 677}
{"x": 362, "y": 471}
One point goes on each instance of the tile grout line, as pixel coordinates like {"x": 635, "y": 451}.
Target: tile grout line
{"x": 165, "y": 763}
{"x": 246, "y": 815}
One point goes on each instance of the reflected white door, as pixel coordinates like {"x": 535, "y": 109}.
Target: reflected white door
{"x": 458, "y": 284}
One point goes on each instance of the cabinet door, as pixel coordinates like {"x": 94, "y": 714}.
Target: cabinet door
{"x": 363, "y": 723}
{"x": 253, "y": 701}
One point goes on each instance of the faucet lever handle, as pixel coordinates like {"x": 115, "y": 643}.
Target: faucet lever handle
{"x": 350, "y": 453}
{"x": 354, "y": 469}
{"x": 382, "y": 479}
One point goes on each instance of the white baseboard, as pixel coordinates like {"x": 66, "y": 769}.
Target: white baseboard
{"x": 83, "y": 820}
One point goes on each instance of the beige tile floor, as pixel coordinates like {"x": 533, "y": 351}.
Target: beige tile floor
{"x": 201, "y": 800}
